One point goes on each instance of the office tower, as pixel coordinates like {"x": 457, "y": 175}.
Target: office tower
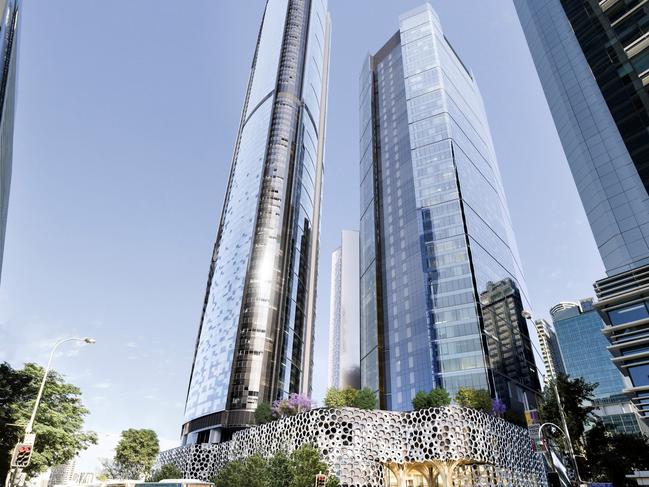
{"x": 508, "y": 344}
{"x": 584, "y": 351}
{"x": 549, "y": 350}
{"x": 344, "y": 317}
{"x": 435, "y": 228}
{"x": 61, "y": 474}
{"x": 591, "y": 58}
{"x": 255, "y": 340}
{"x": 623, "y": 302}
{"x": 8, "y": 54}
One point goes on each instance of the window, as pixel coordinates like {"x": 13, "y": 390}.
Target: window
{"x": 628, "y": 314}
{"x": 639, "y": 375}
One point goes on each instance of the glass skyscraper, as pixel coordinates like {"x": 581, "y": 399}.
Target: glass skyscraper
{"x": 435, "y": 232}
{"x": 255, "y": 341}
{"x": 592, "y": 58}
{"x": 344, "y": 315}
{"x": 8, "y": 54}
{"x": 584, "y": 351}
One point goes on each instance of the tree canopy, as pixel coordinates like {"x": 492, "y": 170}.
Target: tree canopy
{"x": 576, "y": 395}
{"x": 296, "y": 470}
{"x": 59, "y": 419}
{"x": 435, "y": 398}
{"x": 166, "y": 471}
{"x": 479, "y": 399}
{"x": 612, "y": 456}
{"x": 263, "y": 413}
{"x": 135, "y": 455}
{"x": 350, "y": 397}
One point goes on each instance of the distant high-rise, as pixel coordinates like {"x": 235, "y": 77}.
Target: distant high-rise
{"x": 8, "y": 53}
{"x": 435, "y": 229}
{"x": 255, "y": 341}
{"x": 584, "y": 352}
{"x": 344, "y": 327}
{"x": 549, "y": 350}
{"x": 592, "y": 59}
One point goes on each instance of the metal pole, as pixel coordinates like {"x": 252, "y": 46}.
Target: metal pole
{"x": 14, "y": 472}
{"x": 553, "y": 379}
{"x": 28, "y": 428}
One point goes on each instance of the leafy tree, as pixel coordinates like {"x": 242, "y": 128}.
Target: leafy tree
{"x": 350, "y": 397}
{"x": 263, "y": 413}
{"x": 305, "y": 465}
{"x": 136, "y": 452}
{"x": 576, "y": 395}
{"x": 332, "y": 481}
{"x": 59, "y": 420}
{"x": 167, "y": 471}
{"x": 439, "y": 397}
{"x": 365, "y": 399}
{"x": 255, "y": 472}
{"x": 231, "y": 475}
{"x": 334, "y": 398}
{"x": 612, "y": 456}
{"x": 420, "y": 401}
{"x": 478, "y": 399}
{"x": 435, "y": 398}
{"x": 279, "y": 469}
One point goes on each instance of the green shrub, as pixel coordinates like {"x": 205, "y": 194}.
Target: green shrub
{"x": 263, "y": 413}
{"x": 478, "y": 399}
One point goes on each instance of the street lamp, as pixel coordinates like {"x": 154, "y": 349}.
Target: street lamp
{"x": 528, "y": 316}
{"x": 28, "y": 428}
{"x": 29, "y": 436}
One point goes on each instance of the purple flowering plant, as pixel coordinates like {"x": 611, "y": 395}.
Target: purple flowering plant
{"x": 295, "y": 404}
{"x": 498, "y": 407}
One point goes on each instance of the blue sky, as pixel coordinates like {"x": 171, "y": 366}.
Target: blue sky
{"x": 126, "y": 119}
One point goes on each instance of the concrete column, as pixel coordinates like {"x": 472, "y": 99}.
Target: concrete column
{"x": 445, "y": 472}
{"x": 401, "y": 478}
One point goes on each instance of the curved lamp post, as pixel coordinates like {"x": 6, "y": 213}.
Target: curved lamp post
{"x": 28, "y": 428}
{"x": 528, "y": 316}
{"x": 30, "y": 424}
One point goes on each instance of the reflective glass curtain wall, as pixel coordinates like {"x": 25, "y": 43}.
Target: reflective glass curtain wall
{"x": 592, "y": 58}
{"x": 435, "y": 229}
{"x": 8, "y": 54}
{"x": 255, "y": 341}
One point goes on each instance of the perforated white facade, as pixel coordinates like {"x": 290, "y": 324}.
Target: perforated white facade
{"x": 453, "y": 445}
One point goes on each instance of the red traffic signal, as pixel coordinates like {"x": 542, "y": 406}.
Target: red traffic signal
{"x": 320, "y": 480}
{"x": 22, "y": 455}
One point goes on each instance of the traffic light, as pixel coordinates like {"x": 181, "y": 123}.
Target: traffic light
{"x": 22, "y": 455}
{"x": 320, "y": 480}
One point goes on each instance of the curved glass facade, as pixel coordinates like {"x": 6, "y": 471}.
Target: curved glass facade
{"x": 255, "y": 337}
{"x": 435, "y": 229}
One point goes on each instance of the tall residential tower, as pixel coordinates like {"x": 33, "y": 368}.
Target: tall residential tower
{"x": 255, "y": 340}
{"x": 8, "y": 53}
{"x": 592, "y": 57}
{"x": 436, "y": 237}
{"x": 344, "y": 315}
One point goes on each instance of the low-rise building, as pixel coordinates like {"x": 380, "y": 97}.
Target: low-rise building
{"x": 439, "y": 446}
